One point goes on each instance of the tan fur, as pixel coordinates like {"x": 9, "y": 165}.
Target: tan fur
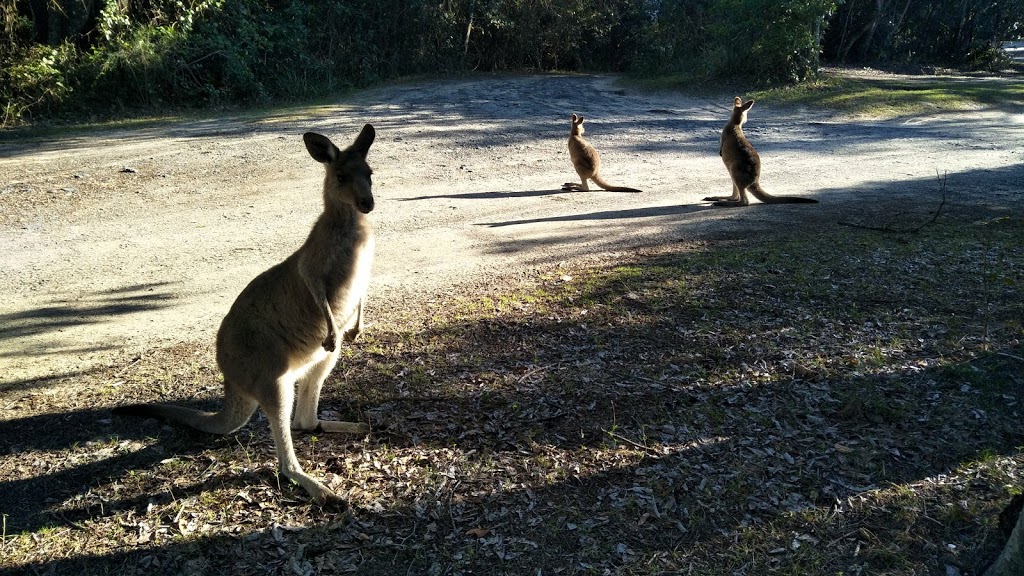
{"x": 744, "y": 164}
{"x": 586, "y": 161}
{"x": 283, "y": 328}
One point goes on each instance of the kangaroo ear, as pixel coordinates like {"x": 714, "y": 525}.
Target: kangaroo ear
{"x": 748, "y": 105}
{"x": 320, "y": 147}
{"x": 737, "y": 102}
{"x": 581, "y": 119}
{"x": 363, "y": 141}
{"x": 575, "y": 118}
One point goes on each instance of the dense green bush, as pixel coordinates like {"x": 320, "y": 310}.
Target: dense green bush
{"x": 168, "y": 52}
{"x": 768, "y": 40}
{"x": 764, "y": 41}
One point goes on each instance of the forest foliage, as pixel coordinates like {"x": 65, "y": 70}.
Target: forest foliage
{"x": 75, "y": 57}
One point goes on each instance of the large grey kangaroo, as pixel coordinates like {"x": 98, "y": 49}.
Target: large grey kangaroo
{"x": 744, "y": 164}
{"x": 283, "y": 328}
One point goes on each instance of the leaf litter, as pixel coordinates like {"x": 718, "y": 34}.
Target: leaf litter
{"x": 815, "y": 405}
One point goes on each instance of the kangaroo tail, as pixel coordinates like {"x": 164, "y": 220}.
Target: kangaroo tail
{"x": 597, "y": 180}
{"x": 235, "y": 413}
{"x": 767, "y": 198}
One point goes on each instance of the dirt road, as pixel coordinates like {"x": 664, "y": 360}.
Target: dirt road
{"x": 116, "y": 241}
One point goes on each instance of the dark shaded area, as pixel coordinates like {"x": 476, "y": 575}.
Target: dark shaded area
{"x": 529, "y": 422}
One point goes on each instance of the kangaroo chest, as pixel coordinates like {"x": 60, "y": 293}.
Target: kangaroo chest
{"x": 348, "y": 276}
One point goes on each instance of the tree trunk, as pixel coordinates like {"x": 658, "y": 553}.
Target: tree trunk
{"x": 844, "y": 47}
{"x": 896, "y": 26}
{"x": 469, "y": 31}
{"x": 871, "y": 28}
{"x": 54, "y": 23}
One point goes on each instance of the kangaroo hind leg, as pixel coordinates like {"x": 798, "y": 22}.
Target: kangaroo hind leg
{"x": 725, "y": 200}
{"x": 583, "y": 186}
{"x": 278, "y": 406}
{"x": 307, "y": 406}
{"x": 738, "y": 198}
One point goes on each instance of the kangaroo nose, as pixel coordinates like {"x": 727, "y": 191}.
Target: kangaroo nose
{"x": 365, "y": 205}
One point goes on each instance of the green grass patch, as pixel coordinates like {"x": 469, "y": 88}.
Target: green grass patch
{"x": 888, "y": 96}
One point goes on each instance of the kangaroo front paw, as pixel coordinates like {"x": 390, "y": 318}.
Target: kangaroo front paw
{"x": 331, "y": 342}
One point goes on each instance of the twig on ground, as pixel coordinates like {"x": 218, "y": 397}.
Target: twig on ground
{"x": 632, "y": 442}
{"x": 935, "y": 216}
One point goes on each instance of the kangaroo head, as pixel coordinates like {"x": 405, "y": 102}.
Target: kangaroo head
{"x": 348, "y": 174}
{"x": 739, "y": 110}
{"x": 577, "y": 126}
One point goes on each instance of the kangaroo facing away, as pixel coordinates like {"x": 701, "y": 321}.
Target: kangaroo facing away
{"x": 586, "y": 161}
{"x": 744, "y": 164}
{"x": 283, "y": 328}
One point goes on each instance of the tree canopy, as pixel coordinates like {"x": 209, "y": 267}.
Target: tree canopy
{"x": 75, "y": 56}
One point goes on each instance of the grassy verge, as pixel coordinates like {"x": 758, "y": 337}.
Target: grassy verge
{"x": 888, "y": 96}
{"x": 847, "y": 402}
{"x": 872, "y": 95}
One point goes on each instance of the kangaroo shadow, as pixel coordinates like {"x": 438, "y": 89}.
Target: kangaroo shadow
{"x": 27, "y": 502}
{"x": 113, "y": 448}
{"x": 489, "y": 195}
{"x": 650, "y": 212}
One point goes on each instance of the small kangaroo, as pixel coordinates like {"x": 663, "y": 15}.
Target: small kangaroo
{"x": 283, "y": 328}
{"x": 586, "y": 161}
{"x": 744, "y": 164}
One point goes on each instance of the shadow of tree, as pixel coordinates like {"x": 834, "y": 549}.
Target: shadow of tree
{"x": 977, "y": 194}
{"x": 691, "y": 489}
{"x": 70, "y": 313}
{"x": 91, "y": 309}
